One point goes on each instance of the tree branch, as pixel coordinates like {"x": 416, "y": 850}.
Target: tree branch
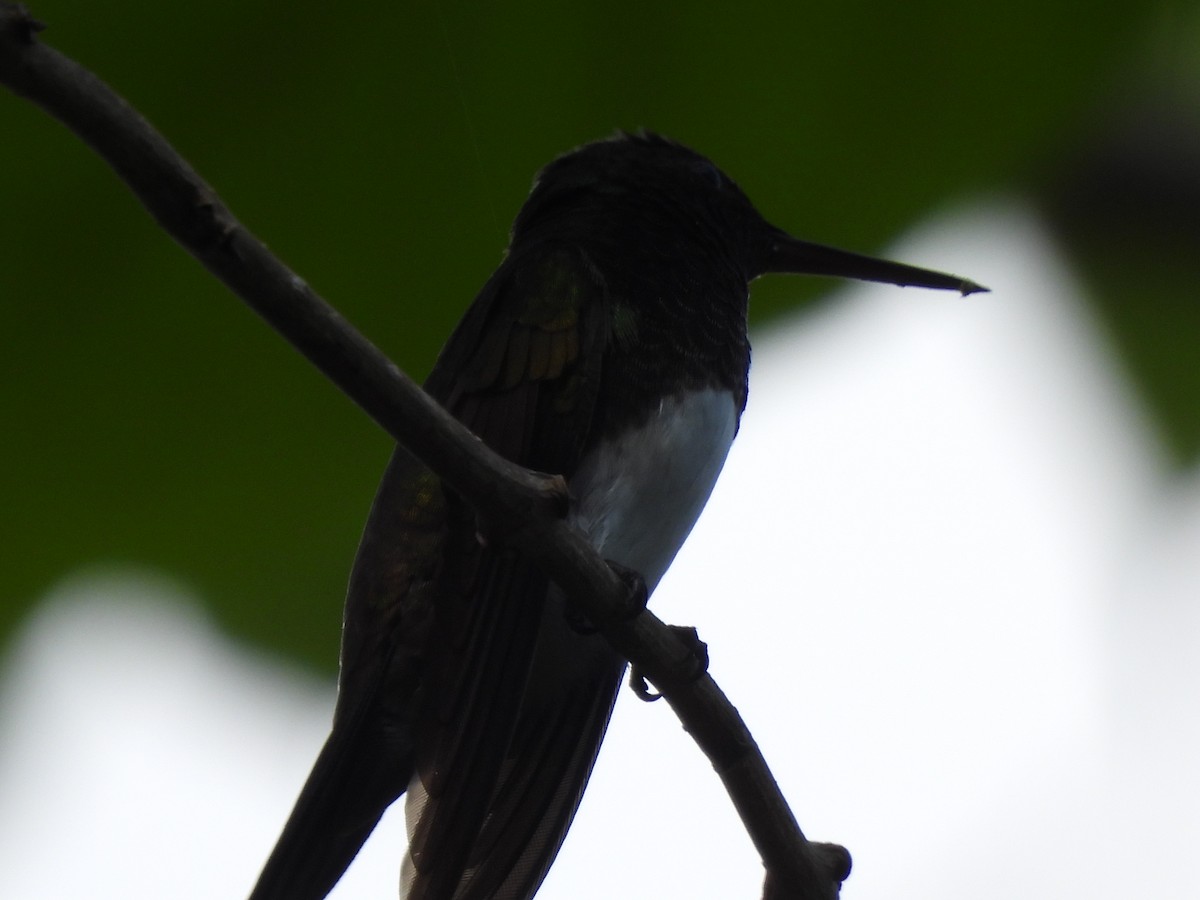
{"x": 523, "y": 506}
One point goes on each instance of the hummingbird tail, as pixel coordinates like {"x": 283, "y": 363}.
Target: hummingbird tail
{"x": 346, "y": 793}
{"x": 562, "y": 720}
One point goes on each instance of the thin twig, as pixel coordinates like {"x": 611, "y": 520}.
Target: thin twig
{"x": 524, "y": 507}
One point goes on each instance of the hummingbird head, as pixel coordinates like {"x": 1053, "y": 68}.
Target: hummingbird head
{"x": 666, "y": 193}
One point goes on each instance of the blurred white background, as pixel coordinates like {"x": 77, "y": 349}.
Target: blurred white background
{"x": 945, "y": 577}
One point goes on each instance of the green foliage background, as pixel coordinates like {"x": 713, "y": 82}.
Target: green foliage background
{"x": 381, "y": 149}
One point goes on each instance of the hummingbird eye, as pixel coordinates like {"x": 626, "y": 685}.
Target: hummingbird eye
{"x": 707, "y": 170}
{"x": 714, "y": 174}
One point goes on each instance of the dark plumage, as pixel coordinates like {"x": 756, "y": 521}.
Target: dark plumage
{"x": 610, "y": 347}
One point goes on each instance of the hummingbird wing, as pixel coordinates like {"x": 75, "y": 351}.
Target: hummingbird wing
{"x": 404, "y": 558}
{"x": 501, "y": 761}
{"x": 441, "y": 634}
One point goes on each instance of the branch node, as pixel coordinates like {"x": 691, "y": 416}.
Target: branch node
{"x": 834, "y": 858}
{"x": 833, "y": 861}
{"x": 23, "y": 25}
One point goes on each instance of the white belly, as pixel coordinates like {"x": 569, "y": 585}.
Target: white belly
{"x": 637, "y": 496}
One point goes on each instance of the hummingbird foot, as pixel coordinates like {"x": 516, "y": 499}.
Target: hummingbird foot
{"x": 683, "y": 670}
{"x": 632, "y": 604}
{"x": 542, "y": 495}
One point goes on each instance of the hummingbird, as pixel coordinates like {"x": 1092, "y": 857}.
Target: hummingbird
{"x": 609, "y": 347}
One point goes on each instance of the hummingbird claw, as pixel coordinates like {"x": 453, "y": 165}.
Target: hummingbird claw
{"x": 689, "y": 668}
{"x": 579, "y": 623}
{"x": 641, "y": 687}
{"x": 631, "y": 605}
{"x": 552, "y": 495}
{"x": 560, "y": 495}
{"x": 636, "y": 595}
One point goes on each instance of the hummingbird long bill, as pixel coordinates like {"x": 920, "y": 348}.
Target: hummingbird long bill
{"x": 610, "y": 346}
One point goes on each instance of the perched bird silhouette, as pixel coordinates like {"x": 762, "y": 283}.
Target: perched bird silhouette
{"x": 609, "y": 347}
